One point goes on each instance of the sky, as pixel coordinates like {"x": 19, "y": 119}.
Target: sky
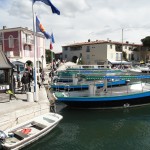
{"x": 80, "y": 20}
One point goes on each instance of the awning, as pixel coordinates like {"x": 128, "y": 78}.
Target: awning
{"x": 119, "y": 62}
{"x": 5, "y": 63}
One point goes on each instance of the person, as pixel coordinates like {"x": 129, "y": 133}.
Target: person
{"x": 14, "y": 84}
{"x": 52, "y": 106}
{"x": 30, "y": 77}
{"x": 11, "y": 94}
{"x": 51, "y": 74}
{"x": 25, "y": 82}
{"x": 18, "y": 79}
{"x": 38, "y": 82}
{"x": 40, "y": 70}
{"x": 42, "y": 76}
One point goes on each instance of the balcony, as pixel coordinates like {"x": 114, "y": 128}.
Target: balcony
{"x": 10, "y": 54}
{"x": 28, "y": 41}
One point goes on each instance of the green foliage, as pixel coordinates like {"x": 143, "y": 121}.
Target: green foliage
{"x": 49, "y": 54}
{"x": 146, "y": 41}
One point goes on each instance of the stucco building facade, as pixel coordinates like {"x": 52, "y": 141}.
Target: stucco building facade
{"x": 18, "y": 45}
{"x": 99, "y": 51}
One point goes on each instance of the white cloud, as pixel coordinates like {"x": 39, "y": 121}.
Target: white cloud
{"x": 82, "y": 19}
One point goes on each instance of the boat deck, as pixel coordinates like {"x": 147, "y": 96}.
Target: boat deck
{"x": 115, "y": 91}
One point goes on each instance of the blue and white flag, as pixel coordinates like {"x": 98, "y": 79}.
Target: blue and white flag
{"x": 52, "y": 38}
{"x": 48, "y": 2}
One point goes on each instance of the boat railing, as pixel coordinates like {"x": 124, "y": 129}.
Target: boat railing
{"x": 131, "y": 88}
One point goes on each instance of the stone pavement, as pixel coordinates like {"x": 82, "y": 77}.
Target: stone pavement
{"x": 17, "y": 111}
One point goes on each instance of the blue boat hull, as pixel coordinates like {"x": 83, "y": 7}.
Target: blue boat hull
{"x": 107, "y": 101}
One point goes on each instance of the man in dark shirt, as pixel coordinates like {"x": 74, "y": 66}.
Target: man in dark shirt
{"x": 25, "y": 82}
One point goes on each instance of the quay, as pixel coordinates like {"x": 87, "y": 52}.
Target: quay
{"x": 19, "y": 110}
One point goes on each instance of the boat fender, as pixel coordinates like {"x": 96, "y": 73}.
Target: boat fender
{"x": 2, "y": 136}
{"x": 127, "y": 81}
{"x": 126, "y": 105}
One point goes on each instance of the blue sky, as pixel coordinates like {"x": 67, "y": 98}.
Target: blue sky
{"x": 81, "y": 20}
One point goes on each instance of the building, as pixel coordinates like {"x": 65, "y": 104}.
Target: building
{"x": 18, "y": 45}
{"x": 99, "y": 51}
{"x": 6, "y": 70}
{"x": 58, "y": 56}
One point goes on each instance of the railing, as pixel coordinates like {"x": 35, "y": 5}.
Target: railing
{"x": 28, "y": 41}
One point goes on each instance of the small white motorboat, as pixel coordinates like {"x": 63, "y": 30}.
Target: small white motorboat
{"x": 25, "y": 133}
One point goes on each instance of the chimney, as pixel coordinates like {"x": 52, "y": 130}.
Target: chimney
{"x": 4, "y": 27}
{"x": 89, "y": 40}
{"x": 127, "y": 42}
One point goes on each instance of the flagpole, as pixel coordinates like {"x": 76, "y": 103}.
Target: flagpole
{"x": 52, "y": 65}
{"x": 35, "y": 76}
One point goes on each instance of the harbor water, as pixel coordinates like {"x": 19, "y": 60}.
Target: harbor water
{"x": 111, "y": 129}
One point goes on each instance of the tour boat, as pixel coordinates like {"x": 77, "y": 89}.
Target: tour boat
{"x": 132, "y": 94}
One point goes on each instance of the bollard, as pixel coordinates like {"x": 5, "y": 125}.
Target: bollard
{"x": 30, "y": 97}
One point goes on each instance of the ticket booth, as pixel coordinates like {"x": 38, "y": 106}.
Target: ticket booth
{"x": 6, "y": 75}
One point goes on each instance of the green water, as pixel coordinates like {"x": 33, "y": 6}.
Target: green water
{"x": 121, "y": 129}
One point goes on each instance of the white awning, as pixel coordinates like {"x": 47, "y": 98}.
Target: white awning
{"x": 119, "y": 62}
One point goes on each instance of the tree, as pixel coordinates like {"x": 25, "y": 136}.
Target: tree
{"x": 49, "y": 56}
{"x": 146, "y": 47}
{"x": 146, "y": 41}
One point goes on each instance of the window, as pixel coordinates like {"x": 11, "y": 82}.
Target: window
{"x": 65, "y": 55}
{"x": 27, "y": 47}
{"x": 3, "y": 76}
{"x": 88, "y": 57}
{"x": 75, "y": 48}
{"x": 110, "y": 46}
{"x": 129, "y": 56}
{"x": 80, "y": 55}
{"x": 11, "y": 41}
{"x": 88, "y": 49}
{"x": 65, "y": 48}
{"x": 116, "y": 56}
{"x": 1, "y": 38}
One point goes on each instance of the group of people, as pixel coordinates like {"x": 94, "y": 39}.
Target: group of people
{"x": 25, "y": 80}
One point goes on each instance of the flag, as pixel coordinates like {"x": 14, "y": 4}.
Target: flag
{"x": 48, "y": 2}
{"x": 51, "y": 46}
{"x": 40, "y": 28}
{"x": 52, "y": 41}
{"x": 52, "y": 38}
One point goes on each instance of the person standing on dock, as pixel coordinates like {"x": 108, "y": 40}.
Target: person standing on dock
{"x": 25, "y": 82}
{"x": 18, "y": 80}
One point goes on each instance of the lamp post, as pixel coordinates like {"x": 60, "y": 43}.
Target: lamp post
{"x": 42, "y": 57}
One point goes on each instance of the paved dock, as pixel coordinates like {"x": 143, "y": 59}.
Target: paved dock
{"x": 19, "y": 110}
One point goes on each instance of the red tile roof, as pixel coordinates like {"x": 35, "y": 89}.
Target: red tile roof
{"x": 101, "y": 42}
